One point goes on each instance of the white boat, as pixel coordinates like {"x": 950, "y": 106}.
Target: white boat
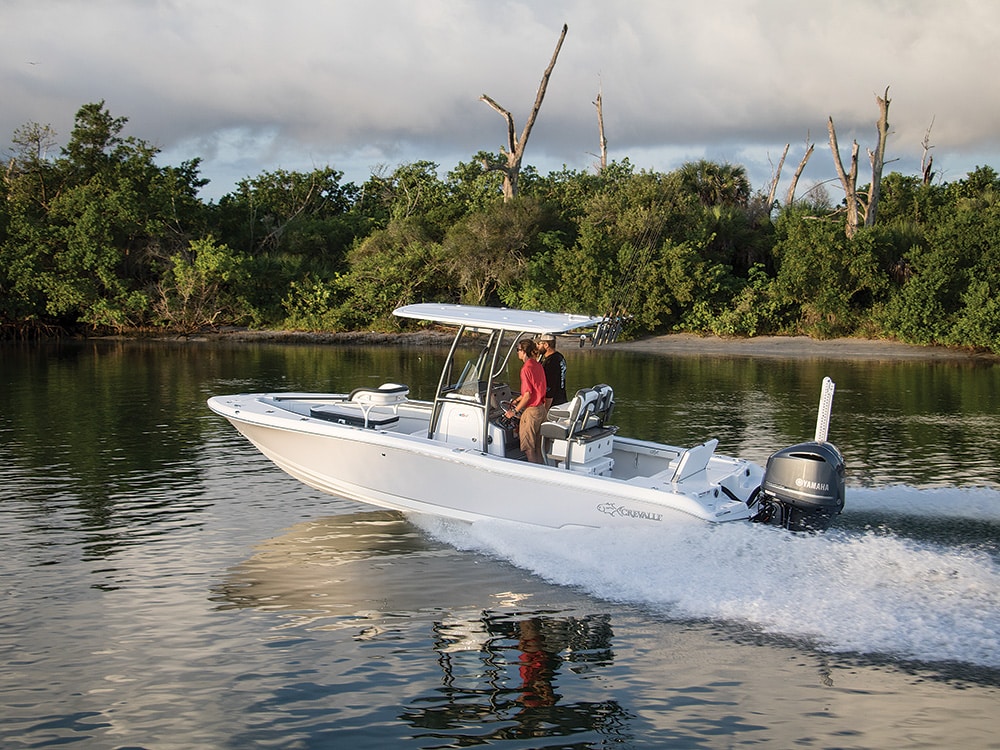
{"x": 456, "y": 456}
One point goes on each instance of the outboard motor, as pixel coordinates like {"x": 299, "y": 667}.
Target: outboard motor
{"x": 803, "y": 485}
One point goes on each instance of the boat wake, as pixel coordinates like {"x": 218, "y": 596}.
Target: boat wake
{"x": 907, "y": 573}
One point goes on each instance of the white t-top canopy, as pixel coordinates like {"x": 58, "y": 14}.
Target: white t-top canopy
{"x": 496, "y": 318}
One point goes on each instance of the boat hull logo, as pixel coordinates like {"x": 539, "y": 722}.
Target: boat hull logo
{"x": 621, "y": 511}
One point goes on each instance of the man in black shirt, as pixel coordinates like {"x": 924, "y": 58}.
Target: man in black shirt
{"x": 554, "y": 365}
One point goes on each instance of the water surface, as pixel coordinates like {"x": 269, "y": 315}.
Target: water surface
{"x": 165, "y": 587}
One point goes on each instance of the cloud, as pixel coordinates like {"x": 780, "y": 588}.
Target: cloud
{"x": 251, "y": 86}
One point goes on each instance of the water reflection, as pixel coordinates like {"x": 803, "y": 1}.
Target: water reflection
{"x": 502, "y": 670}
{"x": 539, "y": 661}
{"x": 509, "y": 686}
{"x": 99, "y": 444}
{"x": 311, "y": 571}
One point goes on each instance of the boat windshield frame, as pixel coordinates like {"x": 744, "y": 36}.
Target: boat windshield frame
{"x": 476, "y": 380}
{"x": 475, "y": 384}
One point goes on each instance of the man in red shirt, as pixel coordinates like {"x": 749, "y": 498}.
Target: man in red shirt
{"x": 529, "y": 405}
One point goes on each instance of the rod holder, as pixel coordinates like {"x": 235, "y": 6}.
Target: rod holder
{"x": 825, "y": 406}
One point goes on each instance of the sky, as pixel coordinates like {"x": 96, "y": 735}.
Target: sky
{"x": 253, "y": 86}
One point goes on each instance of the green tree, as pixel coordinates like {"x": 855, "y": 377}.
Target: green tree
{"x": 623, "y": 221}
{"x": 472, "y": 187}
{"x": 412, "y": 190}
{"x": 756, "y": 308}
{"x": 681, "y": 289}
{"x": 952, "y": 277}
{"x": 834, "y": 280}
{"x": 85, "y": 229}
{"x": 487, "y": 252}
{"x": 907, "y": 202}
{"x": 97, "y": 234}
{"x": 201, "y": 287}
{"x": 716, "y": 184}
{"x": 306, "y": 216}
{"x": 393, "y": 266}
{"x": 290, "y": 226}
{"x": 88, "y": 231}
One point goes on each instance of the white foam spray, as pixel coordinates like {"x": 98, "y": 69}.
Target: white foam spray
{"x": 864, "y": 590}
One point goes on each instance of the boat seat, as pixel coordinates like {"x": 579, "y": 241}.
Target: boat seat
{"x": 341, "y": 415}
{"x": 387, "y": 394}
{"x": 576, "y": 415}
{"x": 605, "y": 404}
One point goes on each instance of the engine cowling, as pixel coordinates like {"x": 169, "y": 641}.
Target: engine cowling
{"x": 803, "y": 487}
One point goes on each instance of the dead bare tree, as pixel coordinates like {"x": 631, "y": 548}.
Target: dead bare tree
{"x": 790, "y": 195}
{"x": 877, "y": 159}
{"x": 514, "y": 153}
{"x": 927, "y": 160}
{"x": 849, "y": 178}
{"x": 600, "y": 132}
{"x": 776, "y": 177}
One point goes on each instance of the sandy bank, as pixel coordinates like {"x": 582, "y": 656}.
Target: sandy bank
{"x": 782, "y": 347}
{"x": 788, "y": 347}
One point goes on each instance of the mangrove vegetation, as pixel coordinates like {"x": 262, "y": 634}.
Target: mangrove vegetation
{"x": 97, "y": 237}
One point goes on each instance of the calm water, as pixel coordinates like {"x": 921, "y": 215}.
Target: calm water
{"x": 165, "y": 587}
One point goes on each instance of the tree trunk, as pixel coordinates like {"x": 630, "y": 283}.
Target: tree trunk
{"x": 849, "y": 180}
{"x": 877, "y": 159}
{"x": 790, "y": 196}
{"x": 514, "y": 152}
{"x": 600, "y": 131}
{"x": 927, "y": 160}
{"x": 776, "y": 178}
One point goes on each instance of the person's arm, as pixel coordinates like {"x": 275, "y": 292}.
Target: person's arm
{"x": 516, "y": 403}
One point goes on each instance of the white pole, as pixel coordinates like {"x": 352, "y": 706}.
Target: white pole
{"x": 825, "y": 405}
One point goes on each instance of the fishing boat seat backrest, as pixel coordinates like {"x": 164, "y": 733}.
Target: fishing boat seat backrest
{"x": 387, "y": 394}
{"x": 576, "y": 415}
{"x": 605, "y": 404}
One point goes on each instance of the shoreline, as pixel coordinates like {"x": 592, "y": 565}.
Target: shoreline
{"x": 688, "y": 344}
{"x": 792, "y": 347}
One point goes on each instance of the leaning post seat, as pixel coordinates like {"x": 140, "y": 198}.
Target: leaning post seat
{"x": 566, "y": 420}
{"x": 606, "y": 403}
{"x": 574, "y": 434}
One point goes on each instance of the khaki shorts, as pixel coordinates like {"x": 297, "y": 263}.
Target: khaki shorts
{"x": 531, "y": 425}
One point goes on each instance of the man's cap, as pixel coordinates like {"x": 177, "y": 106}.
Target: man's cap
{"x": 547, "y": 337}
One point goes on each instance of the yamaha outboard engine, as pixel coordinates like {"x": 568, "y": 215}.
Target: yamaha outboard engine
{"x": 803, "y": 485}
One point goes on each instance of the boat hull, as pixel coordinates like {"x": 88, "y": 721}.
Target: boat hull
{"x": 411, "y": 473}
